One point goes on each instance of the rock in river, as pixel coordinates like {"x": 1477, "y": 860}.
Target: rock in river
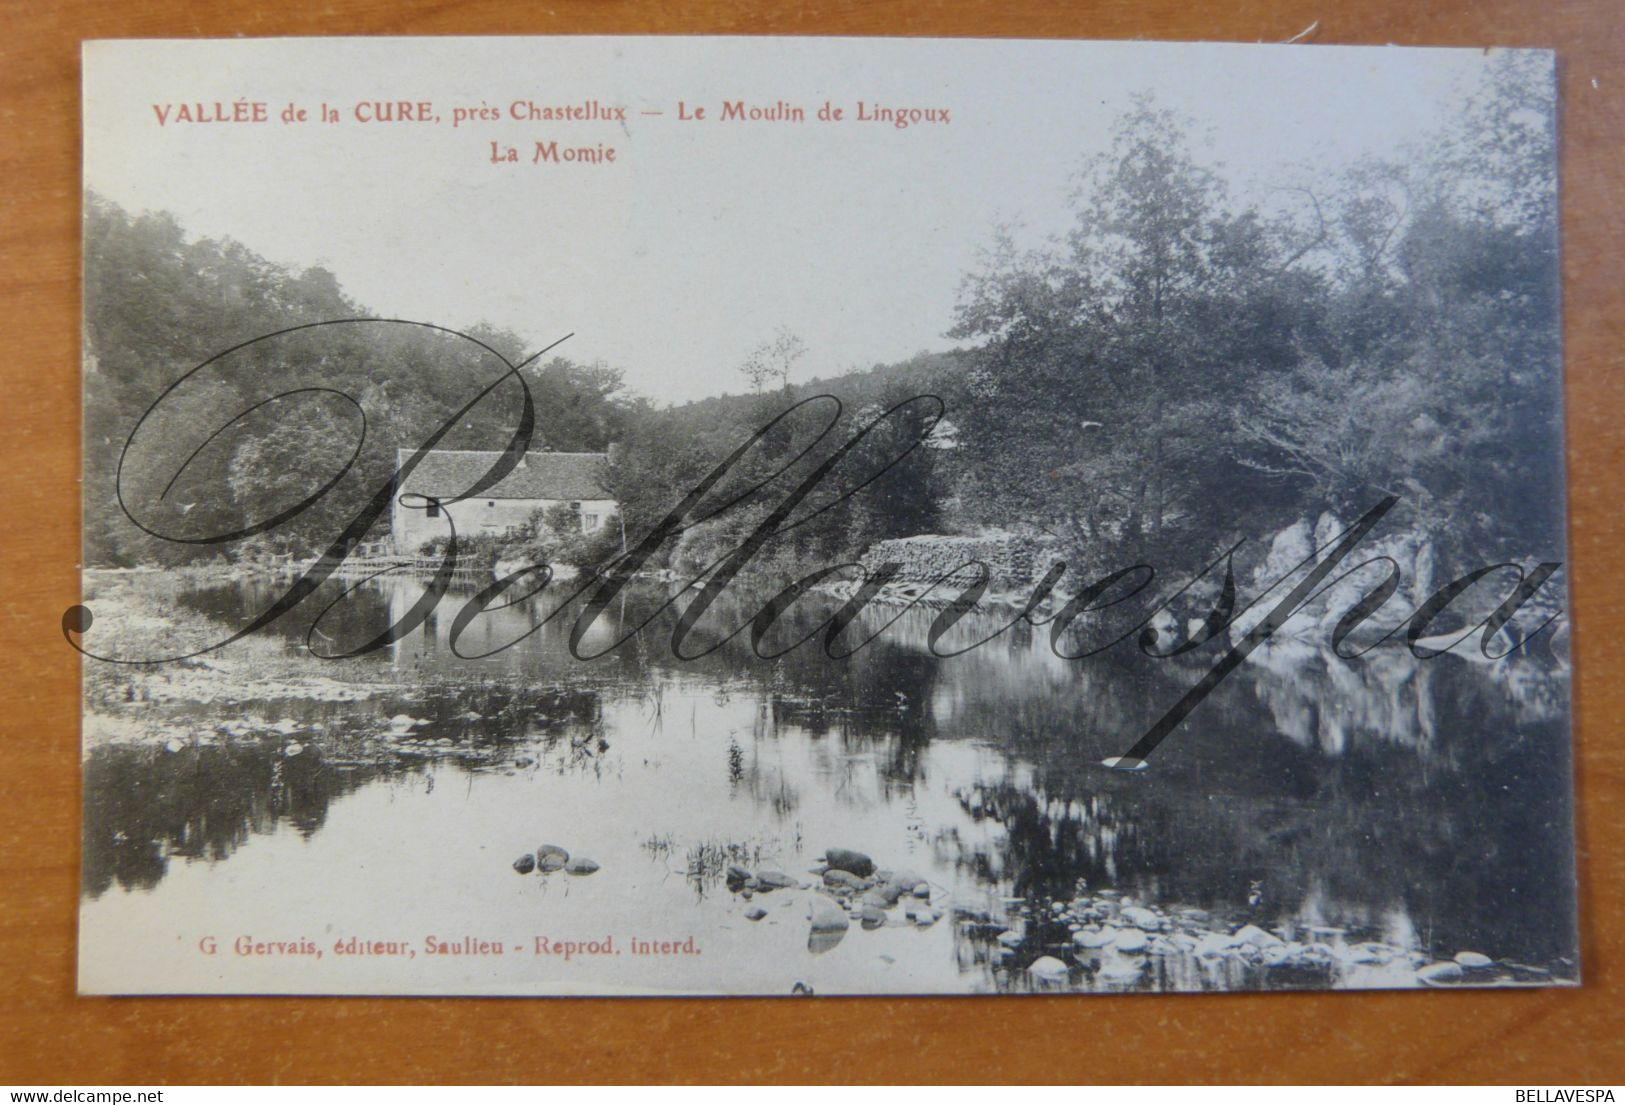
{"x": 774, "y": 880}
{"x": 1257, "y": 937}
{"x": 845, "y": 859}
{"x": 1131, "y": 940}
{"x": 525, "y": 864}
{"x": 877, "y": 898}
{"x": 1440, "y": 972}
{"x": 1474, "y": 961}
{"x": 755, "y": 914}
{"x": 548, "y": 862}
{"x": 1141, "y": 918}
{"x": 905, "y": 880}
{"x": 552, "y": 850}
{"x": 834, "y": 877}
{"x": 829, "y": 924}
{"x": 581, "y": 865}
{"x": 825, "y": 915}
{"x": 1046, "y": 968}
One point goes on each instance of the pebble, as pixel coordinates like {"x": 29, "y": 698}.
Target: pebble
{"x": 1474, "y": 961}
{"x": 525, "y": 864}
{"x": 581, "y": 865}
{"x": 755, "y": 914}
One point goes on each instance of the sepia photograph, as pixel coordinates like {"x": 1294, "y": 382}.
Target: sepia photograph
{"x": 815, "y": 517}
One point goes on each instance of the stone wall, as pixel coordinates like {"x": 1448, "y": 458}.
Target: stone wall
{"x": 1014, "y": 560}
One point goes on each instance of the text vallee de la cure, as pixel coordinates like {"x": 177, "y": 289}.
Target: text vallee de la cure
{"x": 548, "y": 149}
{"x": 1327, "y": 565}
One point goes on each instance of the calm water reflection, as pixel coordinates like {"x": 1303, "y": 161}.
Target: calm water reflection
{"x": 1423, "y": 804}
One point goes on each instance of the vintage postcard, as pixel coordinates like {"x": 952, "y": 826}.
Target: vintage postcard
{"x": 633, "y": 516}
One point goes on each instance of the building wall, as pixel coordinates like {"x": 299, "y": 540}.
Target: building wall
{"x": 474, "y": 517}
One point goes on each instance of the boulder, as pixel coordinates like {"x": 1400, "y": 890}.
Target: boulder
{"x": 774, "y": 880}
{"x": 1131, "y": 941}
{"x": 891, "y": 891}
{"x": 1046, "y": 968}
{"x": 1257, "y": 937}
{"x": 548, "y": 862}
{"x": 1093, "y": 938}
{"x": 552, "y": 850}
{"x": 1444, "y": 971}
{"x": 837, "y": 877}
{"x": 845, "y": 859}
{"x": 1122, "y": 972}
{"x": 755, "y": 913}
{"x": 872, "y": 918}
{"x": 1474, "y": 961}
{"x": 525, "y": 864}
{"x": 737, "y": 873}
{"x": 825, "y": 915}
{"x": 921, "y": 890}
{"x": 1140, "y": 918}
{"x": 581, "y": 865}
{"x": 905, "y": 881}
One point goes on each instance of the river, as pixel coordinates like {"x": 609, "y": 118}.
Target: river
{"x": 1417, "y": 806}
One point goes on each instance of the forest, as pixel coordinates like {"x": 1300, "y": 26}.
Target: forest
{"x": 1187, "y": 367}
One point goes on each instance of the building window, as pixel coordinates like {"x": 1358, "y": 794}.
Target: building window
{"x": 490, "y": 502}
{"x": 589, "y": 522}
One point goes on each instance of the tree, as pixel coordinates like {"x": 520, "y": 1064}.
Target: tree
{"x": 773, "y": 359}
{"x": 1095, "y": 400}
{"x": 1438, "y": 354}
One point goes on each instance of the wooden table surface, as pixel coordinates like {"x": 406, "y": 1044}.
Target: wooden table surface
{"x": 51, "y": 1037}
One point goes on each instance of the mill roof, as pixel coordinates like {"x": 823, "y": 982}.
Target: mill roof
{"x": 451, "y": 472}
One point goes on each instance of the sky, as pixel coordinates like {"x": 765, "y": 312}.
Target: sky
{"x": 703, "y": 236}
